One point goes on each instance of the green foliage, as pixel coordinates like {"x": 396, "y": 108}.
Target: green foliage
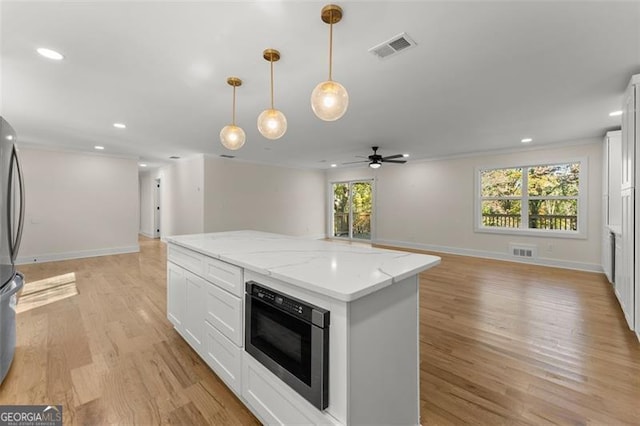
{"x": 544, "y": 183}
{"x": 360, "y": 204}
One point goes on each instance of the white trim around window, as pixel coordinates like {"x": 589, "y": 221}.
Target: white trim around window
{"x": 580, "y": 233}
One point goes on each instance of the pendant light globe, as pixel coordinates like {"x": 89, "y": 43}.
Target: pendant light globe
{"x": 232, "y": 137}
{"x": 272, "y": 124}
{"x": 329, "y": 100}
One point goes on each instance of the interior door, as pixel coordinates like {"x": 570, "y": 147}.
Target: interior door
{"x": 352, "y": 210}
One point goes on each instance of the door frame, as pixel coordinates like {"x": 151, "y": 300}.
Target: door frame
{"x": 374, "y": 211}
{"x": 157, "y": 208}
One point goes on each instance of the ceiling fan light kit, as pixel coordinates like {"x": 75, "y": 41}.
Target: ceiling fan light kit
{"x": 272, "y": 123}
{"x": 375, "y": 160}
{"x": 231, "y": 136}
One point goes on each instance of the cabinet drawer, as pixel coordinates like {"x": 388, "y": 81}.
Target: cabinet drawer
{"x": 273, "y": 401}
{"x": 188, "y": 259}
{"x": 224, "y": 358}
{"x": 224, "y": 312}
{"x": 225, "y": 275}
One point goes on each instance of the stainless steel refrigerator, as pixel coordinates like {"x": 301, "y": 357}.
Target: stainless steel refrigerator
{"x": 11, "y": 222}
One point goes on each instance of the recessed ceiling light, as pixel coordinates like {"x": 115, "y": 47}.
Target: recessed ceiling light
{"x": 334, "y": 165}
{"x": 405, "y": 155}
{"x": 9, "y": 137}
{"x": 50, "y": 54}
{"x": 615, "y": 113}
{"x": 99, "y": 148}
{"x": 526, "y": 140}
{"x": 143, "y": 165}
{"x": 120, "y": 125}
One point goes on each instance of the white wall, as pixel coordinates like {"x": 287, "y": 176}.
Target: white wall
{"x": 182, "y": 196}
{"x": 78, "y": 205}
{"x": 146, "y": 204}
{"x": 264, "y": 198}
{"x": 430, "y": 205}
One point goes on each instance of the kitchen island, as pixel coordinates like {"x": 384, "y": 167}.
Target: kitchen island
{"x": 371, "y": 296}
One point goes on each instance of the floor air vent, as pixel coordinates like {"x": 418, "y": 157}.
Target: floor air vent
{"x": 393, "y": 46}
{"x": 523, "y": 250}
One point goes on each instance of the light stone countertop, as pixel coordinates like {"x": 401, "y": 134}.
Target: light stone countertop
{"x": 340, "y": 271}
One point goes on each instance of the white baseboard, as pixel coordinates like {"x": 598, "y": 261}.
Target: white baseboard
{"x": 146, "y": 234}
{"x": 53, "y": 257}
{"x": 315, "y": 237}
{"x": 542, "y": 261}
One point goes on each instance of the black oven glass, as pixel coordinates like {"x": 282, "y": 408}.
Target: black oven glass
{"x": 283, "y": 338}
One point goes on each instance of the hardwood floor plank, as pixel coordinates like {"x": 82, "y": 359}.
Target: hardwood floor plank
{"x": 500, "y": 344}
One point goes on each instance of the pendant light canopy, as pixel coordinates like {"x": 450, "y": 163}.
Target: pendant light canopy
{"x": 231, "y": 136}
{"x": 271, "y": 122}
{"x": 329, "y": 100}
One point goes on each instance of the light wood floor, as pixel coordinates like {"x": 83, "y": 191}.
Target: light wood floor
{"x": 501, "y": 343}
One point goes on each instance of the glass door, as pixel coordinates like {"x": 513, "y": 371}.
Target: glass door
{"x": 352, "y": 207}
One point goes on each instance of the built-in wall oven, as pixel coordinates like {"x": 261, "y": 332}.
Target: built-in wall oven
{"x": 291, "y": 338}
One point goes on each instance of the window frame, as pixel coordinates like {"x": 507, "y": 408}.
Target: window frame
{"x": 580, "y": 233}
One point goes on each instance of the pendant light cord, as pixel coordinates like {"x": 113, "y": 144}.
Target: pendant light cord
{"x": 233, "y": 121}
{"x": 330, "y": 45}
{"x": 271, "y": 61}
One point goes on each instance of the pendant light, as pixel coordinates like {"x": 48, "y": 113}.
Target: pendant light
{"x": 330, "y": 99}
{"x": 231, "y": 136}
{"x": 271, "y": 122}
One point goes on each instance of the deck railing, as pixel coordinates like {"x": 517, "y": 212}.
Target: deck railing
{"x": 361, "y": 225}
{"x": 559, "y": 222}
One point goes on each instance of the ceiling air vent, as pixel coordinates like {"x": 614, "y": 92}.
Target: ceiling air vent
{"x": 393, "y": 46}
{"x": 174, "y": 157}
{"x": 227, "y": 156}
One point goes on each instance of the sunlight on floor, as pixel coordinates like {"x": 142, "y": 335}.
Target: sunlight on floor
{"x": 48, "y": 290}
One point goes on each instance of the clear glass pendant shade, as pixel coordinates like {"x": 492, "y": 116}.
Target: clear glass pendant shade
{"x": 232, "y": 137}
{"x": 272, "y": 124}
{"x": 329, "y": 100}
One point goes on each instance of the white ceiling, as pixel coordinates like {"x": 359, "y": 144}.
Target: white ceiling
{"x": 483, "y": 76}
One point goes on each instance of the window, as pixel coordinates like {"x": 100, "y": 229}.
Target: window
{"x": 537, "y": 200}
{"x": 352, "y": 207}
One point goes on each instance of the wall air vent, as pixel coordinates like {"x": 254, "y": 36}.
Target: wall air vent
{"x": 393, "y": 46}
{"x": 227, "y": 156}
{"x": 523, "y": 250}
{"x": 174, "y": 157}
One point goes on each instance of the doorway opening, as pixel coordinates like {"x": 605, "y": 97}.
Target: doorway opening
{"x": 352, "y": 210}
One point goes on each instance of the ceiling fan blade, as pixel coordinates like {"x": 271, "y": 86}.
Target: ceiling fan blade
{"x": 354, "y": 162}
{"x": 394, "y": 161}
{"x": 392, "y": 156}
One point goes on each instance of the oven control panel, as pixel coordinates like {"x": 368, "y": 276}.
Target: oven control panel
{"x": 292, "y": 306}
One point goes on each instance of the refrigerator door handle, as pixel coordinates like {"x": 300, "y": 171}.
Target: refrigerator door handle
{"x": 14, "y": 244}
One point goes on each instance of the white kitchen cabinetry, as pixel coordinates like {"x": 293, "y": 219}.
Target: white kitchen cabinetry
{"x": 194, "y": 312}
{"x": 204, "y": 304}
{"x": 625, "y": 282}
{"x": 176, "y": 296}
{"x": 628, "y": 286}
{"x": 373, "y": 314}
{"x": 611, "y": 198}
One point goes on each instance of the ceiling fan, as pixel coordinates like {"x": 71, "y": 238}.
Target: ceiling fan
{"x": 375, "y": 160}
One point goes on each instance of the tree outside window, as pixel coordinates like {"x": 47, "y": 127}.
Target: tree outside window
{"x": 543, "y": 197}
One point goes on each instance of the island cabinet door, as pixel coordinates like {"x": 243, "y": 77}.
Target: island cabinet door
{"x": 195, "y": 310}
{"x": 176, "y": 296}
